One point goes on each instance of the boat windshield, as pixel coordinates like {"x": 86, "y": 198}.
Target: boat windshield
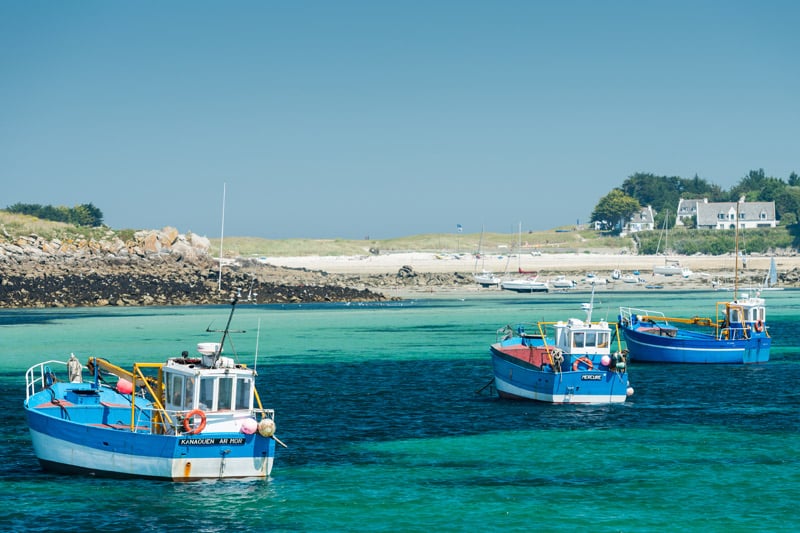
{"x": 223, "y": 393}
{"x": 590, "y": 339}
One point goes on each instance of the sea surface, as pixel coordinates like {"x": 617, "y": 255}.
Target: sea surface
{"x": 390, "y": 425}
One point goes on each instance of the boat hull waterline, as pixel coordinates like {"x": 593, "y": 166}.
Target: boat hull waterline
{"x": 515, "y": 380}
{"x": 86, "y": 442}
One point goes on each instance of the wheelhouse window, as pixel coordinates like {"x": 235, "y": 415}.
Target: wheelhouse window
{"x": 603, "y": 338}
{"x": 577, "y": 340}
{"x": 175, "y": 390}
{"x": 188, "y": 393}
{"x": 207, "y": 393}
{"x": 225, "y": 394}
{"x": 591, "y": 339}
{"x": 243, "y": 388}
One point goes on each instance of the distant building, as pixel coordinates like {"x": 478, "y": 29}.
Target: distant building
{"x": 687, "y": 208}
{"x": 722, "y": 215}
{"x": 641, "y": 221}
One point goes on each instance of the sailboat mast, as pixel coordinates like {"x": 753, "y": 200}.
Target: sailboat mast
{"x": 736, "y": 253}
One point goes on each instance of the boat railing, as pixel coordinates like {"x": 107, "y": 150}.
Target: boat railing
{"x": 628, "y": 313}
{"x": 42, "y": 375}
{"x": 520, "y": 330}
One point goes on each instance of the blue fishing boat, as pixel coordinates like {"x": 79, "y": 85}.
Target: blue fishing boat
{"x": 738, "y": 334}
{"x": 561, "y": 362}
{"x": 189, "y": 418}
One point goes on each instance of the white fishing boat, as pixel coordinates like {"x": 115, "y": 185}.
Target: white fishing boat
{"x": 525, "y": 285}
{"x": 594, "y": 279}
{"x": 487, "y": 279}
{"x": 562, "y": 283}
{"x": 672, "y": 267}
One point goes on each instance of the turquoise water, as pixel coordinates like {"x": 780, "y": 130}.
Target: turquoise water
{"x": 387, "y": 432}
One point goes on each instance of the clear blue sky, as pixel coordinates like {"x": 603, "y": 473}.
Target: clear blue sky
{"x": 347, "y": 119}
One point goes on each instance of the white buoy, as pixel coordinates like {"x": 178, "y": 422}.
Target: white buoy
{"x": 266, "y": 428}
{"x": 630, "y": 391}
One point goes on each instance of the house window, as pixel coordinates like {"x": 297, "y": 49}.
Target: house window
{"x": 763, "y": 215}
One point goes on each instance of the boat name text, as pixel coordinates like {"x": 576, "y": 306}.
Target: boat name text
{"x": 212, "y": 442}
{"x": 592, "y": 377}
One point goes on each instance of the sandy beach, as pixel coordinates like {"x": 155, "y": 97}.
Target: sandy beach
{"x": 544, "y": 264}
{"x": 705, "y": 269}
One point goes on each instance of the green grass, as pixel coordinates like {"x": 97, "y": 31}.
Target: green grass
{"x": 557, "y": 240}
{"x": 546, "y": 241}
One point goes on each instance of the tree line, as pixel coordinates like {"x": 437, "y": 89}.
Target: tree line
{"x": 662, "y": 193}
{"x": 81, "y": 215}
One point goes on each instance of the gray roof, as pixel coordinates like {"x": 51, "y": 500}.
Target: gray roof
{"x": 710, "y": 214}
{"x": 644, "y": 216}
{"x": 687, "y": 207}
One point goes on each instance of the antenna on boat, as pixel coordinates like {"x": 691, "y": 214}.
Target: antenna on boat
{"x": 227, "y": 329}
{"x": 221, "y": 236}
{"x": 258, "y": 336}
{"x": 590, "y": 307}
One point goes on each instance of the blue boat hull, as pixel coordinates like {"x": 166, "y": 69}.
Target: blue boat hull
{"x": 96, "y": 438}
{"x": 694, "y": 347}
{"x": 516, "y": 379}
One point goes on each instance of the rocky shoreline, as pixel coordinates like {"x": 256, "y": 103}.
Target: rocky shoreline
{"x": 164, "y": 268}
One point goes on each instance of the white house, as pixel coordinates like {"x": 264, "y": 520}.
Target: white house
{"x": 722, "y": 215}
{"x": 641, "y": 221}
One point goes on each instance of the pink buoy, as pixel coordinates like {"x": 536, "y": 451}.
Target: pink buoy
{"x": 124, "y": 386}
{"x": 606, "y": 360}
{"x": 249, "y": 426}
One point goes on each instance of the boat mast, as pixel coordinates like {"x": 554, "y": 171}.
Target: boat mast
{"x": 736, "y": 253}
{"x": 227, "y": 330}
{"x": 480, "y": 255}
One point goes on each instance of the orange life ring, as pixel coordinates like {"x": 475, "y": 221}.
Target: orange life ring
{"x": 187, "y": 422}
{"x": 584, "y": 360}
{"x": 759, "y": 326}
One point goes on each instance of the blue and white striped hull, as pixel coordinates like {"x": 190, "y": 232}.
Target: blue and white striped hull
{"x": 519, "y": 381}
{"x": 66, "y": 446}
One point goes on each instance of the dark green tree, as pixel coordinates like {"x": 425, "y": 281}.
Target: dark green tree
{"x": 80, "y": 215}
{"x": 615, "y": 209}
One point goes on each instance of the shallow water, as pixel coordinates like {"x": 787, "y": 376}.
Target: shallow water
{"x": 386, "y": 430}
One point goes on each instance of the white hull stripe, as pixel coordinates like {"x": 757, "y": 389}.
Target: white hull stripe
{"x": 60, "y": 452}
